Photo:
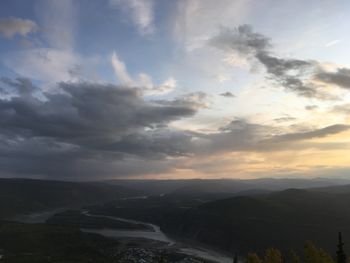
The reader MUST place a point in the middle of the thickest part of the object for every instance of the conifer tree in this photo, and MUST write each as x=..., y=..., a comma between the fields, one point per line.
x=341, y=257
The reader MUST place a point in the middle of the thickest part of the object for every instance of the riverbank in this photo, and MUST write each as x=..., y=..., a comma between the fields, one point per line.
x=152, y=241
x=158, y=235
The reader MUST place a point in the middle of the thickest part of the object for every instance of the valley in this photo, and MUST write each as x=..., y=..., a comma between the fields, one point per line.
x=209, y=226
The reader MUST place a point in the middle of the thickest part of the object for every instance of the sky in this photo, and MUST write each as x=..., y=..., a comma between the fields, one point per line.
x=170, y=89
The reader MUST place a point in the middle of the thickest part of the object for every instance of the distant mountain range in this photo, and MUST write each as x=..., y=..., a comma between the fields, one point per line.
x=156, y=187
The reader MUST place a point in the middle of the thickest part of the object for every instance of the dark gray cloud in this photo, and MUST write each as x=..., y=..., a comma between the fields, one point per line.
x=193, y=100
x=279, y=66
x=242, y=40
x=228, y=94
x=154, y=144
x=340, y=78
x=86, y=123
x=317, y=133
x=22, y=86
x=238, y=135
x=293, y=74
x=289, y=73
x=39, y=157
x=243, y=136
x=85, y=111
x=311, y=107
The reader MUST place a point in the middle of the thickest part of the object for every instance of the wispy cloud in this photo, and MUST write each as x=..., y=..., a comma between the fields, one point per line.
x=43, y=64
x=193, y=21
x=140, y=11
x=12, y=26
x=144, y=80
x=332, y=43
x=317, y=133
x=58, y=22
x=120, y=70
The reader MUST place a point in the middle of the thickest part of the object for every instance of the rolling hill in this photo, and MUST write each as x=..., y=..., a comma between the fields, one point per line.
x=18, y=196
x=283, y=219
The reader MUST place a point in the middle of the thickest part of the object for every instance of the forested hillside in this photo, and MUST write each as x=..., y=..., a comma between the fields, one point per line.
x=23, y=195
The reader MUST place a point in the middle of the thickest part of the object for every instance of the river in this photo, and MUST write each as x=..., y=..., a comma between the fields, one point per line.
x=156, y=234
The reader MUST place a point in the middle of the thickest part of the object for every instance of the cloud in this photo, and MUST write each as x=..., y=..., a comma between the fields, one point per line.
x=91, y=129
x=22, y=86
x=193, y=19
x=51, y=58
x=332, y=43
x=227, y=94
x=44, y=64
x=285, y=118
x=342, y=108
x=58, y=22
x=238, y=135
x=167, y=86
x=140, y=11
x=311, y=107
x=144, y=80
x=294, y=75
x=242, y=40
x=12, y=26
x=242, y=136
x=318, y=133
x=289, y=73
x=84, y=111
x=120, y=70
x=84, y=123
x=341, y=77
x=161, y=142
x=196, y=100
x=44, y=158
